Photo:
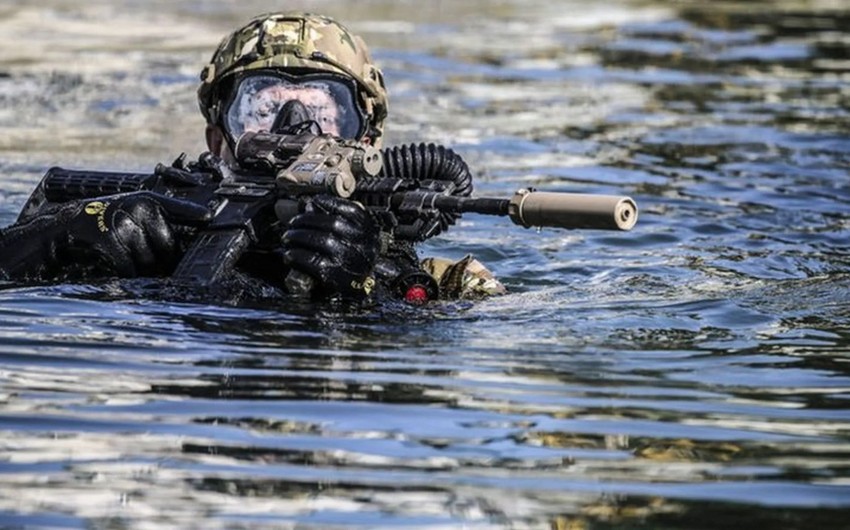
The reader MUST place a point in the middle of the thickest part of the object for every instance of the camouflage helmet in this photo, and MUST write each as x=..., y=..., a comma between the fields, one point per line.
x=302, y=42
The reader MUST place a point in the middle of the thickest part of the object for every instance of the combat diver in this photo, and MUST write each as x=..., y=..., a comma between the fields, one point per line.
x=273, y=59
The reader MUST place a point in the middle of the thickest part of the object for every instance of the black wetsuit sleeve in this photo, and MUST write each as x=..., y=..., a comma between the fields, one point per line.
x=29, y=249
x=127, y=235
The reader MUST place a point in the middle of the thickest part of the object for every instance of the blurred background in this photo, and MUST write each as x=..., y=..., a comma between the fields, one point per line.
x=692, y=373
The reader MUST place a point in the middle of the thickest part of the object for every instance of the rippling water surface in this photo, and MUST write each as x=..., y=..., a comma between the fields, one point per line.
x=692, y=373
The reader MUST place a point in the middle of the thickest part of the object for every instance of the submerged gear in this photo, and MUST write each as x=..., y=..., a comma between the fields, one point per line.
x=398, y=269
x=127, y=235
x=294, y=43
x=466, y=278
x=336, y=242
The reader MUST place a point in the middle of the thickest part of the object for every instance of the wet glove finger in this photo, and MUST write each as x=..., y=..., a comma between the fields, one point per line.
x=337, y=207
x=351, y=251
x=182, y=211
x=138, y=234
x=318, y=266
x=331, y=276
x=335, y=227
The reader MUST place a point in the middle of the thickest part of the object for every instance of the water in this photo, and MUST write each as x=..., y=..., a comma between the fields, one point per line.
x=692, y=373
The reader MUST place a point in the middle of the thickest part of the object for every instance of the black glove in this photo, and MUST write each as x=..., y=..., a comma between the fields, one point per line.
x=122, y=235
x=336, y=242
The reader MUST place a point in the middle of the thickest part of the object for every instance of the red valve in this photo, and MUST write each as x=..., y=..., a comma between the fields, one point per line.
x=416, y=294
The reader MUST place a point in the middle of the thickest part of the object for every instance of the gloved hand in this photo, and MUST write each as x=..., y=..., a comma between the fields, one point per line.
x=336, y=242
x=127, y=235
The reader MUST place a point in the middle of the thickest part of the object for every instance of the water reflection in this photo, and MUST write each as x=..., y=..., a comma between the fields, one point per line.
x=687, y=375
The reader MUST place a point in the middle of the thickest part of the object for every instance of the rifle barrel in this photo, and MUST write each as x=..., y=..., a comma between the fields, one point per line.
x=482, y=205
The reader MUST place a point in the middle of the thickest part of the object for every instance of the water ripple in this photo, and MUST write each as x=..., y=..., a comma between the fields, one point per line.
x=689, y=374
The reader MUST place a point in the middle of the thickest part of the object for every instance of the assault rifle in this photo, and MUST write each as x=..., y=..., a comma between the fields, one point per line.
x=278, y=171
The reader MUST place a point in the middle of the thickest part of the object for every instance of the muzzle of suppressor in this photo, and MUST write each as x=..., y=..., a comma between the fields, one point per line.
x=572, y=210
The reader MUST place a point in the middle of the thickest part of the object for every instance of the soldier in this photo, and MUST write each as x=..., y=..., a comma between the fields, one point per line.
x=271, y=60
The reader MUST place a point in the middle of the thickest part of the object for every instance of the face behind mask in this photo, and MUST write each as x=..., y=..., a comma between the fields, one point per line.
x=329, y=100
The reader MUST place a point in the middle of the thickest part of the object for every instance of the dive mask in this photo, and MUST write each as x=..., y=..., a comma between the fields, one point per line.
x=329, y=100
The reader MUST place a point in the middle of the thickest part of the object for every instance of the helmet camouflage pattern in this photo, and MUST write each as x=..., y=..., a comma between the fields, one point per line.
x=295, y=41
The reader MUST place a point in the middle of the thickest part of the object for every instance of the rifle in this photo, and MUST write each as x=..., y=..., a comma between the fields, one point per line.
x=253, y=204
